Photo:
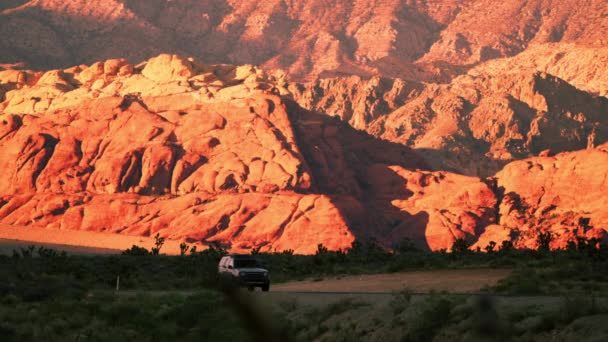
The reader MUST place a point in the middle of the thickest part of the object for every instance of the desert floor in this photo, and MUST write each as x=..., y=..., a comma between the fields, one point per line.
x=75, y=241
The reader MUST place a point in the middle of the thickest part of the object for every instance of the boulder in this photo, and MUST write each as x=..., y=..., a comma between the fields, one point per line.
x=166, y=68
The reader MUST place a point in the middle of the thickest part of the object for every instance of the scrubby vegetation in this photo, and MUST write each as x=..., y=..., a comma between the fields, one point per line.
x=108, y=317
x=73, y=297
x=582, y=268
x=446, y=317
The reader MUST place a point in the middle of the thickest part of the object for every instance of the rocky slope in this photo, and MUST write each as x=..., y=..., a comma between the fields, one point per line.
x=431, y=99
x=195, y=152
x=192, y=162
x=214, y=154
x=460, y=81
x=475, y=124
x=564, y=195
x=409, y=39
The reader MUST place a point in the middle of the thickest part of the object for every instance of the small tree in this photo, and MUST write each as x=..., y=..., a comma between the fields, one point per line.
x=356, y=249
x=215, y=251
x=544, y=241
x=506, y=246
x=322, y=255
x=460, y=246
x=183, y=249
x=571, y=246
x=590, y=247
x=158, y=244
x=490, y=247
x=375, y=251
x=321, y=250
x=407, y=246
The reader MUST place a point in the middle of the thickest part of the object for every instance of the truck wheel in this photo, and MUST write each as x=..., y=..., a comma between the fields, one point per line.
x=266, y=287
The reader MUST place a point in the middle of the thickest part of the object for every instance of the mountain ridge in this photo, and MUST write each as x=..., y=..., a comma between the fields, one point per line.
x=430, y=40
x=215, y=154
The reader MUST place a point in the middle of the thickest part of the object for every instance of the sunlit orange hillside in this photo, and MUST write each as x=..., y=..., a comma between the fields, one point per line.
x=287, y=124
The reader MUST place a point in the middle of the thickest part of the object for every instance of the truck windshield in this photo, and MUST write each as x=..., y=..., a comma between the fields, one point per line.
x=245, y=263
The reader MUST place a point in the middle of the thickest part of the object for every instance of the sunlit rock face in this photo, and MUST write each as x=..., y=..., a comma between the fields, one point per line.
x=563, y=194
x=211, y=153
x=301, y=123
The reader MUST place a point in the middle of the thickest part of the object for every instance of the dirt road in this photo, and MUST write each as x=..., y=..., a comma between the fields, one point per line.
x=456, y=281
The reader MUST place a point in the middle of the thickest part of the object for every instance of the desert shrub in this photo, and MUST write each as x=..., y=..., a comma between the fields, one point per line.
x=400, y=301
x=485, y=316
x=573, y=308
x=158, y=244
x=339, y=307
x=50, y=253
x=490, y=247
x=288, y=305
x=460, y=246
x=506, y=247
x=8, y=332
x=407, y=246
x=375, y=251
x=27, y=252
x=543, y=239
x=214, y=252
x=525, y=282
x=136, y=251
x=49, y=287
x=589, y=247
x=434, y=315
x=100, y=318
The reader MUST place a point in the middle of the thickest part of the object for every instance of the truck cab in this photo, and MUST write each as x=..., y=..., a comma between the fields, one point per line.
x=244, y=270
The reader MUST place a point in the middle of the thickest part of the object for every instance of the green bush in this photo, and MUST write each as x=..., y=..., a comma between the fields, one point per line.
x=460, y=246
x=434, y=315
x=136, y=251
x=400, y=301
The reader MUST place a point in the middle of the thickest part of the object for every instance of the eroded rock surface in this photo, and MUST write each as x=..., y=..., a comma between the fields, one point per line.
x=564, y=195
x=208, y=153
x=474, y=125
x=224, y=154
x=422, y=40
x=196, y=153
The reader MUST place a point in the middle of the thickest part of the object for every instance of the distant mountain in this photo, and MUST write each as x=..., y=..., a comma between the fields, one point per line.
x=423, y=40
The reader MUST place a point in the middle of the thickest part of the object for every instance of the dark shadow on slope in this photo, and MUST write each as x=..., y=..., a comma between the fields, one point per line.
x=352, y=168
x=8, y=4
x=464, y=163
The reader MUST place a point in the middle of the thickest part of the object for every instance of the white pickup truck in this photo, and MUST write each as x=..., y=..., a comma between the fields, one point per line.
x=244, y=270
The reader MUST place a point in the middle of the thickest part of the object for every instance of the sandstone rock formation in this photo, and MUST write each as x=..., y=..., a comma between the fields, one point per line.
x=238, y=221
x=96, y=151
x=209, y=153
x=354, y=119
x=475, y=124
x=564, y=195
x=398, y=38
x=353, y=99
x=470, y=76
x=213, y=154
